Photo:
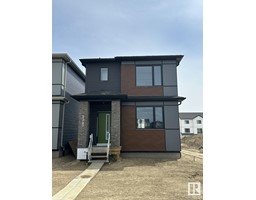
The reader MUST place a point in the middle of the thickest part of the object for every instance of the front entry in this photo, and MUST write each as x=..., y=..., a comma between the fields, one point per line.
x=104, y=119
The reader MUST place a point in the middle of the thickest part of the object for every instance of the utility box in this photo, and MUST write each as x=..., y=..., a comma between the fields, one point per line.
x=82, y=153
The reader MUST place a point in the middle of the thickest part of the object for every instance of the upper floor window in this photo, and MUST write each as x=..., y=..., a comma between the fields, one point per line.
x=150, y=117
x=148, y=75
x=103, y=74
x=186, y=121
x=199, y=122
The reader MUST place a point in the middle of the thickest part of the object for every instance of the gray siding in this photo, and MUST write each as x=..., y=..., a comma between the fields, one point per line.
x=95, y=85
x=71, y=117
x=172, y=139
x=74, y=83
x=170, y=79
x=172, y=130
x=171, y=91
x=58, y=78
x=57, y=116
x=171, y=114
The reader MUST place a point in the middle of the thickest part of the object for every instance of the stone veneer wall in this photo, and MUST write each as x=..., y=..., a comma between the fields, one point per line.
x=115, y=124
x=83, y=127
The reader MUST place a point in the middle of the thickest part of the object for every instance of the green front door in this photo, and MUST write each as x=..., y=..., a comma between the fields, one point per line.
x=103, y=126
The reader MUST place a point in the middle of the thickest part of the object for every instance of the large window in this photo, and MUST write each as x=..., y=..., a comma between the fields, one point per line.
x=104, y=74
x=148, y=75
x=150, y=118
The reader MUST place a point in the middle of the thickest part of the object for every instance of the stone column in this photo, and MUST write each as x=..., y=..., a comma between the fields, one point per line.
x=83, y=127
x=115, y=124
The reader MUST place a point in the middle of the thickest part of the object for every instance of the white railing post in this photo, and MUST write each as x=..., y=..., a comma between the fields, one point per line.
x=108, y=145
x=90, y=148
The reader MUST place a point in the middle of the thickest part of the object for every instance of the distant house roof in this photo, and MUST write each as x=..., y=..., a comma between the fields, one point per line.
x=190, y=115
x=177, y=58
x=71, y=63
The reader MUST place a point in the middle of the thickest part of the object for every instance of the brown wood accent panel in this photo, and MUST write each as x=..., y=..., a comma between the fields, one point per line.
x=133, y=139
x=128, y=83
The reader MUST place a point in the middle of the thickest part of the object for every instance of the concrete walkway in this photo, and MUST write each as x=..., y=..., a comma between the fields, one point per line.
x=71, y=191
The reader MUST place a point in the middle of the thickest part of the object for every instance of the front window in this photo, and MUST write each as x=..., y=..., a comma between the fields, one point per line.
x=148, y=75
x=150, y=118
x=186, y=121
x=104, y=74
x=199, y=122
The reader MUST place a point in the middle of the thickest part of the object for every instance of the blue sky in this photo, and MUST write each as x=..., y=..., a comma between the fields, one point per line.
x=101, y=28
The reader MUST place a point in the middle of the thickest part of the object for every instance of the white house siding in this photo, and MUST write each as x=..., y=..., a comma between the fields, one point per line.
x=193, y=126
x=196, y=126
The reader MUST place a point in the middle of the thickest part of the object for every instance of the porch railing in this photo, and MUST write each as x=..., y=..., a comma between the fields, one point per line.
x=90, y=148
x=108, y=146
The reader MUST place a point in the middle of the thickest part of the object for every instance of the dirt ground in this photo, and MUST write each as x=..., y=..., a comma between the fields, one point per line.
x=132, y=178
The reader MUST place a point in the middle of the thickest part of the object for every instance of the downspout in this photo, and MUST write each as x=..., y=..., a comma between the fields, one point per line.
x=65, y=102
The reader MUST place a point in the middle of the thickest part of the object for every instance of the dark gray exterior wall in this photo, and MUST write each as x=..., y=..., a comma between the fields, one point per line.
x=170, y=79
x=95, y=85
x=57, y=116
x=172, y=128
x=74, y=83
x=71, y=118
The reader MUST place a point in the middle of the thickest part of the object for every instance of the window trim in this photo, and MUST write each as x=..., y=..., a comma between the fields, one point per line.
x=154, y=116
x=101, y=73
x=153, y=75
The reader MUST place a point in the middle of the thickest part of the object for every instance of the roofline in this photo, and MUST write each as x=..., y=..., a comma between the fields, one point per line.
x=99, y=96
x=126, y=98
x=69, y=61
x=177, y=58
x=200, y=114
x=155, y=98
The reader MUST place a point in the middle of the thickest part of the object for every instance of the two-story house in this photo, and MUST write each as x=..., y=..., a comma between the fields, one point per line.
x=135, y=99
x=191, y=123
x=67, y=80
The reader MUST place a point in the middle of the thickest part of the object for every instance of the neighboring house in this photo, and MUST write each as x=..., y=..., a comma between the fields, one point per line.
x=135, y=98
x=191, y=123
x=67, y=80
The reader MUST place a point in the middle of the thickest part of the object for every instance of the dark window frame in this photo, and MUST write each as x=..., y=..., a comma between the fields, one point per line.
x=186, y=130
x=153, y=75
x=107, y=73
x=154, y=117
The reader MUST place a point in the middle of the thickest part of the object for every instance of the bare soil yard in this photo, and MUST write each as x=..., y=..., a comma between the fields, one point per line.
x=132, y=178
